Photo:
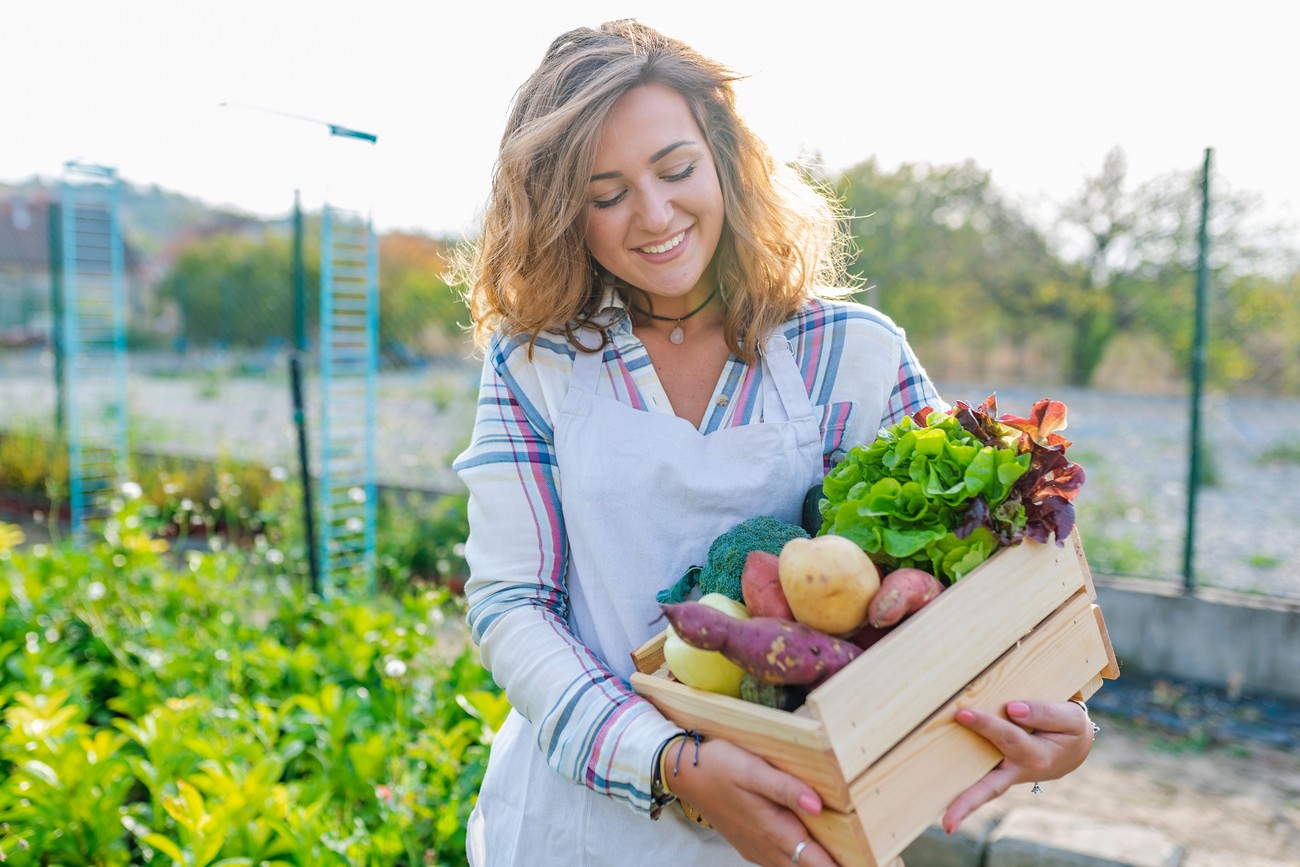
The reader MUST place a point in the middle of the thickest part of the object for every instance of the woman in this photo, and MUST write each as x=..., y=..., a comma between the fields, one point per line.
x=662, y=362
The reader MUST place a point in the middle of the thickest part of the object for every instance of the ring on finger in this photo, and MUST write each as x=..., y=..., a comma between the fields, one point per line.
x=798, y=850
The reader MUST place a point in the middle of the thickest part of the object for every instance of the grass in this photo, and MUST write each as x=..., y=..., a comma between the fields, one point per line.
x=1281, y=453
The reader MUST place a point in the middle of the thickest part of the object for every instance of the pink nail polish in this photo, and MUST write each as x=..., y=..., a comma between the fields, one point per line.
x=809, y=804
x=1018, y=708
x=965, y=716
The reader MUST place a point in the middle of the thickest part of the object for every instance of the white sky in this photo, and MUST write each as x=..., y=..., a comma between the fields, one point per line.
x=1036, y=92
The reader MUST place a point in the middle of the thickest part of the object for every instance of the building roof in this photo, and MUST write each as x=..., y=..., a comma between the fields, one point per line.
x=25, y=235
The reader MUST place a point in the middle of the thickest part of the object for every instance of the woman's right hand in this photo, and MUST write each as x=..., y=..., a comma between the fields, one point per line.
x=755, y=806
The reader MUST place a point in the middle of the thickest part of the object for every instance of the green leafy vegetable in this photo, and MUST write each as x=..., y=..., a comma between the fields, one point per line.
x=942, y=491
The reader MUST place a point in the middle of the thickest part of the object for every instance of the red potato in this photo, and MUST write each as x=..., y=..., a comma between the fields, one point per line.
x=760, y=585
x=772, y=649
x=902, y=592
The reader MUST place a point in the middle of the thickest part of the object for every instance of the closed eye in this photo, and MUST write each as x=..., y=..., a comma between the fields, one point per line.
x=683, y=174
x=609, y=203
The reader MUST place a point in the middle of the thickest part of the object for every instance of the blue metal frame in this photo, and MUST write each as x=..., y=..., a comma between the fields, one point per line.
x=349, y=364
x=94, y=340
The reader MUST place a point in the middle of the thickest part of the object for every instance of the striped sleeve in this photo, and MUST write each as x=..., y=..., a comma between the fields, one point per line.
x=913, y=389
x=589, y=724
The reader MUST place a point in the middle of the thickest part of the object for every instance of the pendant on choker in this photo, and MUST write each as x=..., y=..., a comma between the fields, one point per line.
x=678, y=335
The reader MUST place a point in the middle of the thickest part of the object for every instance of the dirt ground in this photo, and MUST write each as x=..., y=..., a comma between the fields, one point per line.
x=1226, y=803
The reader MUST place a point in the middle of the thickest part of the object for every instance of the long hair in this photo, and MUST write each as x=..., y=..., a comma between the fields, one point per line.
x=530, y=270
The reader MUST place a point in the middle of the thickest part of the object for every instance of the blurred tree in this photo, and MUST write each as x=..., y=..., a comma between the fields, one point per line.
x=948, y=256
x=238, y=289
x=420, y=315
x=1134, y=252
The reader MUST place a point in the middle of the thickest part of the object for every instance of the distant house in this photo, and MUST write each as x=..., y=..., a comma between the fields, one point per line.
x=25, y=275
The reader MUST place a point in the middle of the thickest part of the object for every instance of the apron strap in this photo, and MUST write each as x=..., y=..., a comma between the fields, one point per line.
x=587, y=365
x=787, y=384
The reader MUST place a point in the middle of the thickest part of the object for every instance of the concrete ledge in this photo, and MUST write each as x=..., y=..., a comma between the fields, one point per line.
x=1035, y=837
x=964, y=848
x=1239, y=642
x=1219, y=858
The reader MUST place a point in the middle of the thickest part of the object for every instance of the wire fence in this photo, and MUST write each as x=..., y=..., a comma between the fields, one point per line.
x=208, y=377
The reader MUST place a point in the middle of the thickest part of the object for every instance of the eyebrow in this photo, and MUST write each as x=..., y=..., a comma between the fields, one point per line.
x=654, y=158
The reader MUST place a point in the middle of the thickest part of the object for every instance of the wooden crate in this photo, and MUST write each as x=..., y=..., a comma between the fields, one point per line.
x=878, y=741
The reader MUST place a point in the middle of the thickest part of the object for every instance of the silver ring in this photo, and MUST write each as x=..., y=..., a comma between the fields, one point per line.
x=798, y=850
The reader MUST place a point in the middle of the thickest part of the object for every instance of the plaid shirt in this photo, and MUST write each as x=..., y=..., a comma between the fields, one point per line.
x=860, y=374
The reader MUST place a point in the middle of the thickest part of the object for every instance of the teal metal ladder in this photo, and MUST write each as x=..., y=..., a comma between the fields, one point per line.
x=349, y=359
x=93, y=330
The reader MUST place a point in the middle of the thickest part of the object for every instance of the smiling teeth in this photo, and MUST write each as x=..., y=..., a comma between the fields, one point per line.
x=665, y=246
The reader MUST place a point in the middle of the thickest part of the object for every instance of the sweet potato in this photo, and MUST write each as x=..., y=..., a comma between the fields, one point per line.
x=770, y=648
x=902, y=592
x=760, y=584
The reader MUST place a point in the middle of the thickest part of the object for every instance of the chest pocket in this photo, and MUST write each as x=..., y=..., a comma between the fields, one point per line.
x=835, y=419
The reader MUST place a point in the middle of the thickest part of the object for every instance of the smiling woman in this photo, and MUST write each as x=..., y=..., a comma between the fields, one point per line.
x=665, y=357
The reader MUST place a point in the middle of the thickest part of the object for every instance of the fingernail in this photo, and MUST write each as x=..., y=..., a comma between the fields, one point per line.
x=1018, y=708
x=965, y=715
x=809, y=804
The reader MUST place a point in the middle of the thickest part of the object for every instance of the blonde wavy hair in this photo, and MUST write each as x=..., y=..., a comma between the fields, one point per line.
x=529, y=271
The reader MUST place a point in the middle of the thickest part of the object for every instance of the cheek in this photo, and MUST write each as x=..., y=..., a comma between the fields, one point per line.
x=601, y=235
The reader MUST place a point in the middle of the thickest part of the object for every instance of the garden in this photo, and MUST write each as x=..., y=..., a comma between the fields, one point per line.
x=173, y=694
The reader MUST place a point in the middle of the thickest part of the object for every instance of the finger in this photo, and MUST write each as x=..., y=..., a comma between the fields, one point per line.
x=1010, y=738
x=1049, y=716
x=992, y=785
x=812, y=855
x=787, y=790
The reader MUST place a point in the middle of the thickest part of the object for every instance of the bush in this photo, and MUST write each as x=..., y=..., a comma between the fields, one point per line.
x=199, y=708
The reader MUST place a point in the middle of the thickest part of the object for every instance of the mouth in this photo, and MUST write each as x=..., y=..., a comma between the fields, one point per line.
x=664, y=246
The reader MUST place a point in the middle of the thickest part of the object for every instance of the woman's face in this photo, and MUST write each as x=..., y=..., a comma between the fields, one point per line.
x=654, y=207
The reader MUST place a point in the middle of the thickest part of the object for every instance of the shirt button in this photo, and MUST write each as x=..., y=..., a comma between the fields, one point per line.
x=723, y=400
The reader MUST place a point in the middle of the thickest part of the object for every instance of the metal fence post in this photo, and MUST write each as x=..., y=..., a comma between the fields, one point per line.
x=1198, y=379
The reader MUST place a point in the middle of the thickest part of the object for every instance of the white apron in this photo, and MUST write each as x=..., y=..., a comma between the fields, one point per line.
x=644, y=494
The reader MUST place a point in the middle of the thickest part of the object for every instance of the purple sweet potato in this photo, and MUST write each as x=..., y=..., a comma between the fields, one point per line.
x=772, y=649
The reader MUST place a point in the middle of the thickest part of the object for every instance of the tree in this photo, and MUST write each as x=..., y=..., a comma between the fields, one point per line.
x=419, y=312
x=1133, y=255
x=238, y=289
x=949, y=256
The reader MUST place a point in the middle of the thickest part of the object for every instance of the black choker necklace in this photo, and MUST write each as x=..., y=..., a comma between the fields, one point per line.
x=677, y=335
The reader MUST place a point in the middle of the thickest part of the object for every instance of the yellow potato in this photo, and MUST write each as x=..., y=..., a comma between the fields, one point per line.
x=828, y=581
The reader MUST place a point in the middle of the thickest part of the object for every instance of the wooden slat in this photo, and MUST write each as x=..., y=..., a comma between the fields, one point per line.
x=890, y=689
x=910, y=787
x=793, y=742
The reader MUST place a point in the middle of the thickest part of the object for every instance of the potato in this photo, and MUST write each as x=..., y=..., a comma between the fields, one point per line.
x=706, y=669
x=828, y=582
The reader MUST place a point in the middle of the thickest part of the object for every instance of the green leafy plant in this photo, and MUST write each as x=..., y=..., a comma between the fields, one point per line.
x=941, y=491
x=198, y=707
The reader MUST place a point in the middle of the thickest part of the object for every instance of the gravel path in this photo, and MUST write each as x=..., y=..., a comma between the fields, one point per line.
x=1132, y=510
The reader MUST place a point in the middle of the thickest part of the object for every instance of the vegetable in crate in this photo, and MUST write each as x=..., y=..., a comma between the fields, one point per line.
x=706, y=669
x=828, y=582
x=726, y=560
x=941, y=491
x=771, y=649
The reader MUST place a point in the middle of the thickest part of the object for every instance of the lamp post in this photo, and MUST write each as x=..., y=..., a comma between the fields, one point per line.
x=300, y=340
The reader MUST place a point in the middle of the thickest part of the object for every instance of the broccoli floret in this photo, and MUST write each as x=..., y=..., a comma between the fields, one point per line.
x=727, y=553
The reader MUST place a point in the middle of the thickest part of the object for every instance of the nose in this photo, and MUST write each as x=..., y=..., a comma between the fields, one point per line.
x=656, y=211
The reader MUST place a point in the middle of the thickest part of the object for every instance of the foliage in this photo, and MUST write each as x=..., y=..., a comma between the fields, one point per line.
x=420, y=313
x=201, y=710
x=235, y=289
x=936, y=242
x=941, y=491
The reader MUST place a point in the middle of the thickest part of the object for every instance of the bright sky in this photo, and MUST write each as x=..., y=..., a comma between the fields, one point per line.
x=1035, y=91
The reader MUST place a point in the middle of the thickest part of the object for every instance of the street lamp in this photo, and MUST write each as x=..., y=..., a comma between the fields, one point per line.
x=300, y=336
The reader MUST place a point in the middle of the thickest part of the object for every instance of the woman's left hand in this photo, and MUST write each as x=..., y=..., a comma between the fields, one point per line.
x=1041, y=741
